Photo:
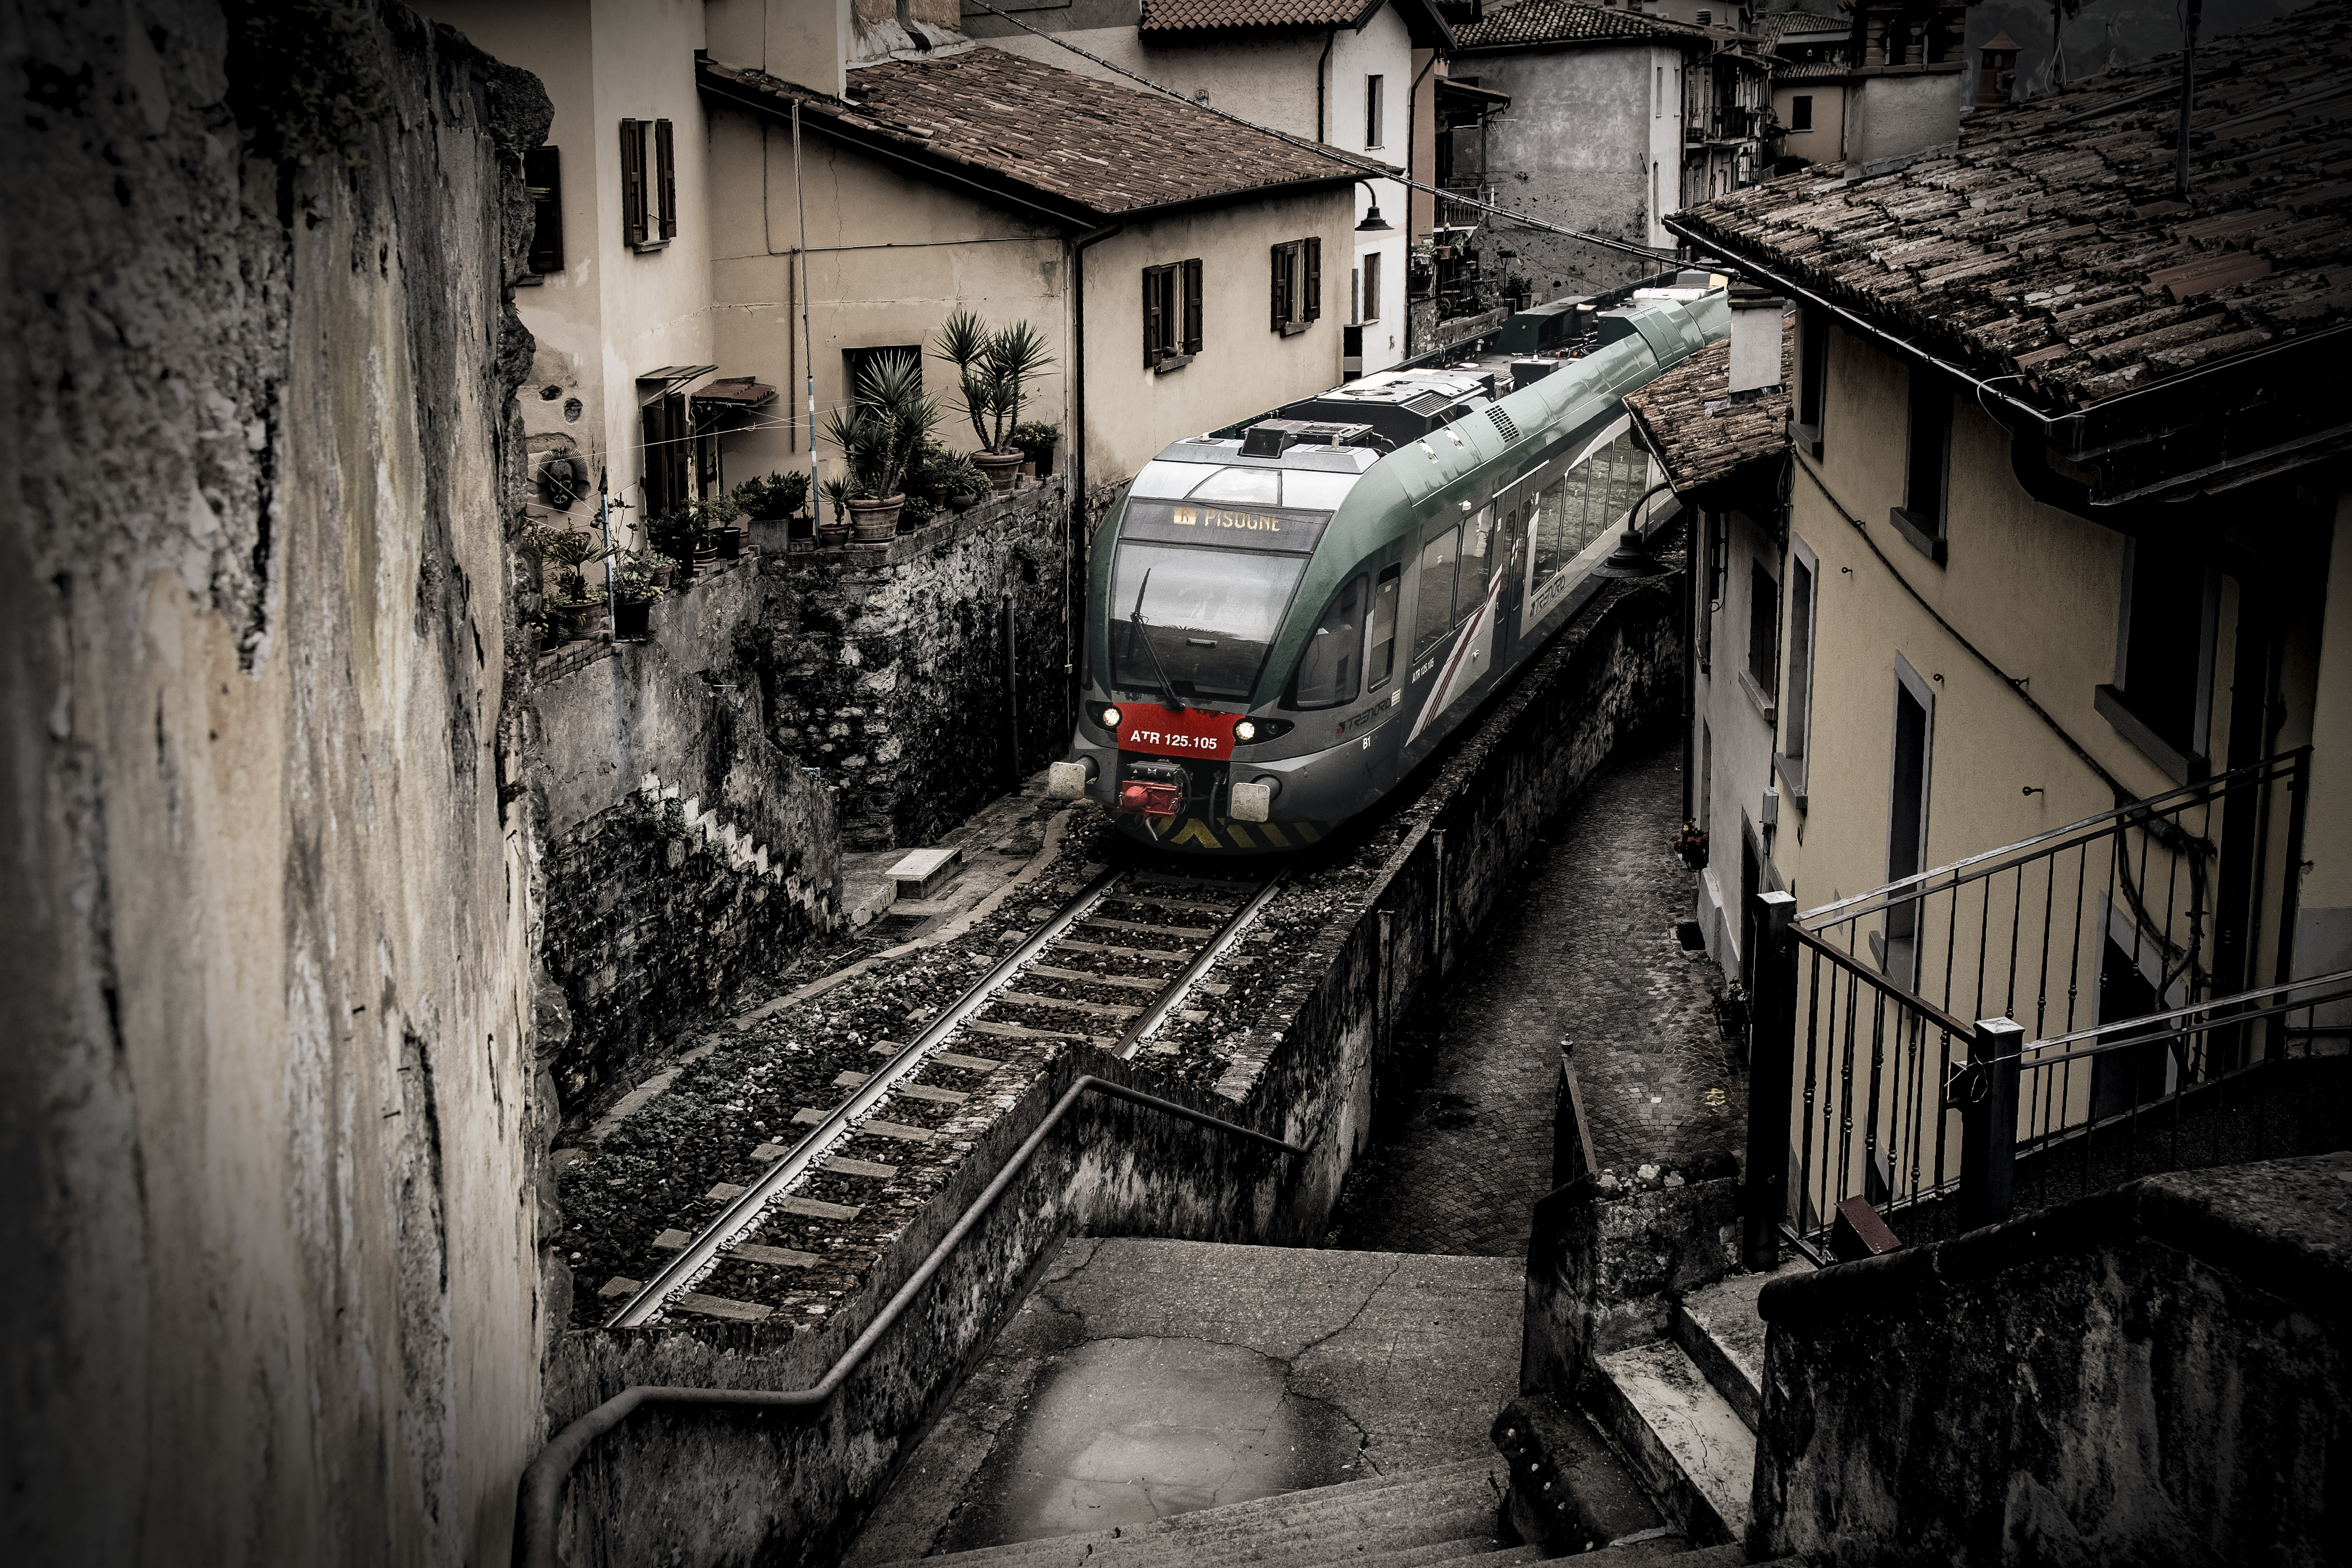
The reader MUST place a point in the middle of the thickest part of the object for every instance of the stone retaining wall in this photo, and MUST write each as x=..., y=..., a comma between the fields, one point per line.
x=887, y=666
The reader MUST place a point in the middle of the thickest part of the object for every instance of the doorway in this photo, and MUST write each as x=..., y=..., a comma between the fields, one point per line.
x=1907, y=823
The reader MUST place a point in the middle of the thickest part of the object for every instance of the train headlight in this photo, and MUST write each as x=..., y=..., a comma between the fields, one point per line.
x=1108, y=718
x=1244, y=731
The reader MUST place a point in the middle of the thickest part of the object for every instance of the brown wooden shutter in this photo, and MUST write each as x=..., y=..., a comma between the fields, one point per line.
x=633, y=181
x=1192, y=305
x=653, y=416
x=542, y=171
x=1281, y=286
x=679, y=453
x=666, y=164
x=1150, y=317
x=1314, y=281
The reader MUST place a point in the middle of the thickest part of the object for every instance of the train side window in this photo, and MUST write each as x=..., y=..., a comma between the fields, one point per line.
x=1380, y=659
x=1471, y=592
x=1331, y=668
x=1433, y=606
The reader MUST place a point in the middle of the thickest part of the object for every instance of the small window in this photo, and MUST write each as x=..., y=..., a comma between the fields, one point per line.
x=1813, y=373
x=1658, y=104
x=2163, y=695
x=1796, y=707
x=1373, y=118
x=1927, y=460
x=670, y=465
x=1171, y=314
x=1379, y=661
x=1801, y=112
x=1371, y=286
x=648, y=183
x=1331, y=668
x=1433, y=610
x=855, y=361
x=542, y=177
x=1763, y=629
x=1298, y=291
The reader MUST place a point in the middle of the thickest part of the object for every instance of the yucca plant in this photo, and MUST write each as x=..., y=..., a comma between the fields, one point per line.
x=993, y=372
x=881, y=432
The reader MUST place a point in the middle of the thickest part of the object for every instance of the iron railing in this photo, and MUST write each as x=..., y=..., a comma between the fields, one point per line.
x=1869, y=1063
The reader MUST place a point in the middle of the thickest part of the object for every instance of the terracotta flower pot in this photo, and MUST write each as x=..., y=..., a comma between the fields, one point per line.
x=875, y=522
x=834, y=530
x=1002, y=468
x=662, y=574
x=730, y=541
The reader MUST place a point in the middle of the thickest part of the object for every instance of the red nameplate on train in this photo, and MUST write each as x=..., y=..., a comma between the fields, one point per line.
x=1194, y=732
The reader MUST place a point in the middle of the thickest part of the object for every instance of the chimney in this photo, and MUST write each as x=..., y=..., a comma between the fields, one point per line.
x=1912, y=106
x=807, y=42
x=1997, y=78
x=1755, y=339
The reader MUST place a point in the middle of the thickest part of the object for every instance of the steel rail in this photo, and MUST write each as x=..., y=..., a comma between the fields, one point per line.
x=1944, y=1022
x=703, y=1252
x=1150, y=1020
x=539, y=1502
x=2214, y=1016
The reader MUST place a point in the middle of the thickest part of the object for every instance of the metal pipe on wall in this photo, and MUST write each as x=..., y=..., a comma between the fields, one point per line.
x=1075, y=542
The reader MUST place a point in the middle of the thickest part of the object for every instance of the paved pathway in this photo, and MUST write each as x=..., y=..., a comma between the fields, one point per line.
x=1582, y=956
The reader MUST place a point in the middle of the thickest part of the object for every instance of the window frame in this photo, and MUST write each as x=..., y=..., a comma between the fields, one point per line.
x=1799, y=653
x=1812, y=377
x=1297, y=296
x=2114, y=703
x=1924, y=519
x=648, y=184
x=1371, y=288
x=1763, y=685
x=1172, y=333
x=1801, y=112
x=1375, y=112
x=1361, y=581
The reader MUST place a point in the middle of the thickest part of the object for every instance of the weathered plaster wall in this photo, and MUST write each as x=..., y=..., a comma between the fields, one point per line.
x=1575, y=149
x=885, y=666
x=268, y=1102
x=2155, y=1374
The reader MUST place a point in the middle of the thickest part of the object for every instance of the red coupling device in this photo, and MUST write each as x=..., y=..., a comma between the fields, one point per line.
x=1139, y=799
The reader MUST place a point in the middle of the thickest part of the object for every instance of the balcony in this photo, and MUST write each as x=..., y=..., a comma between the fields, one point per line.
x=1465, y=206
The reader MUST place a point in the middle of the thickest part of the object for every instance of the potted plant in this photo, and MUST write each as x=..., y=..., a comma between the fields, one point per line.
x=939, y=479
x=1691, y=845
x=722, y=524
x=836, y=531
x=772, y=509
x=993, y=370
x=573, y=603
x=1038, y=439
x=660, y=567
x=880, y=436
x=633, y=591
x=678, y=536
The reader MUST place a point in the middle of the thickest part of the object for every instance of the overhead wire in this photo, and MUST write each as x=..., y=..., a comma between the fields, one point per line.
x=1368, y=168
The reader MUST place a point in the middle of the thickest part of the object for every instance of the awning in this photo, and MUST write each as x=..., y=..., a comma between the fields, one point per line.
x=732, y=398
x=669, y=379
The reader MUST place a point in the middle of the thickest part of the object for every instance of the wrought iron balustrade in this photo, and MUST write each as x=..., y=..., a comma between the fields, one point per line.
x=2129, y=948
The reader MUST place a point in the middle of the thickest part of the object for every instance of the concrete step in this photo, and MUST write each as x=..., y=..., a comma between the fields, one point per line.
x=1720, y=1330
x=1378, y=1514
x=1684, y=1441
x=1471, y=1550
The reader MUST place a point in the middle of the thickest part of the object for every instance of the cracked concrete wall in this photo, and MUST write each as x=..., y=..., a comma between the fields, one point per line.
x=268, y=1100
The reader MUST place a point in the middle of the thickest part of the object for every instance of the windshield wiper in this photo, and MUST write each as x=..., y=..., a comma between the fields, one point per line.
x=1135, y=621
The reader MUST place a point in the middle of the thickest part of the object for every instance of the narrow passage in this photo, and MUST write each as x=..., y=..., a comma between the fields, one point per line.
x=1581, y=956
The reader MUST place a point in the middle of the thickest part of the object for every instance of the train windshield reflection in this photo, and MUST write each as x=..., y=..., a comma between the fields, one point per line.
x=1209, y=617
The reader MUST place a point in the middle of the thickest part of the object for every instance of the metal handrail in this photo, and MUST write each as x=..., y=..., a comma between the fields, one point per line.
x=1907, y=889
x=2341, y=978
x=1944, y=1021
x=538, y=1501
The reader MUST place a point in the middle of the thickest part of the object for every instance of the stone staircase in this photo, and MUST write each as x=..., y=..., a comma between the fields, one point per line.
x=1683, y=1410
x=1443, y=1513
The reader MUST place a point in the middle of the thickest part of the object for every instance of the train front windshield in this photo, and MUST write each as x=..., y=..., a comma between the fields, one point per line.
x=1208, y=617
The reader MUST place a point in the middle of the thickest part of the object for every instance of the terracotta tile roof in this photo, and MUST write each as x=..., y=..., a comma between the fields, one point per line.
x=1812, y=70
x=2049, y=247
x=1089, y=145
x=1702, y=437
x=1567, y=22
x=1200, y=15
x=1778, y=23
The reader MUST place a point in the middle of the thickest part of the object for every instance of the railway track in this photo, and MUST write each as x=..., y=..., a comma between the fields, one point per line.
x=1145, y=938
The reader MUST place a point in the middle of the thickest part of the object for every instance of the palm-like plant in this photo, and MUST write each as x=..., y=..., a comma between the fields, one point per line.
x=880, y=433
x=993, y=370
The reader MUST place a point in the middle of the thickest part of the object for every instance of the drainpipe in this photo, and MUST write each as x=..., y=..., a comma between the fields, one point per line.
x=1320, y=65
x=1412, y=141
x=1077, y=248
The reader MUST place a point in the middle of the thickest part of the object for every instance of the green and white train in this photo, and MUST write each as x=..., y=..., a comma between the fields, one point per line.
x=1281, y=626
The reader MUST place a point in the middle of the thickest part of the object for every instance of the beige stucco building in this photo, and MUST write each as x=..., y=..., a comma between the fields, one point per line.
x=2066, y=538
x=720, y=267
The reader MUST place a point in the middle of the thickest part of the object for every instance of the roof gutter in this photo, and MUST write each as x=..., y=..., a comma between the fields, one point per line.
x=2084, y=435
